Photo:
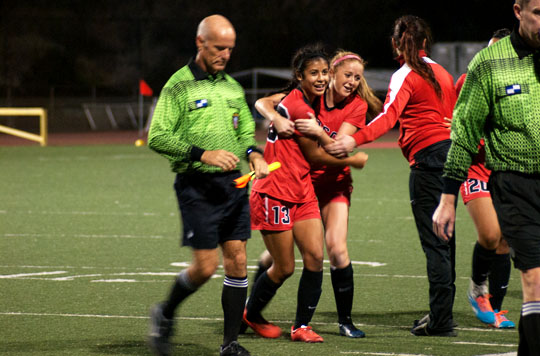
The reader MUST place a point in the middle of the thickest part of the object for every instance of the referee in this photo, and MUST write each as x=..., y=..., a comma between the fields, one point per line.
x=500, y=102
x=202, y=125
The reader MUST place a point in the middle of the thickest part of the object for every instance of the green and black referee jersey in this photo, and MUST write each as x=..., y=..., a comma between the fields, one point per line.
x=198, y=112
x=500, y=102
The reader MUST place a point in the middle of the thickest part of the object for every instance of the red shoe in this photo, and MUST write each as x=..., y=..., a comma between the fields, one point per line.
x=263, y=328
x=305, y=334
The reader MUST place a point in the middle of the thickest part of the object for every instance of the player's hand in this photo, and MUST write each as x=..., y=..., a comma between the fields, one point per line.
x=448, y=122
x=341, y=147
x=220, y=158
x=259, y=165
x=283, y=126
x=358, y=160
x=309, y=127
x=444, y=217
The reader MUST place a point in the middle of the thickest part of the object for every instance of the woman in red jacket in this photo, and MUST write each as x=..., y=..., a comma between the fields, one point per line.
x=421, y=94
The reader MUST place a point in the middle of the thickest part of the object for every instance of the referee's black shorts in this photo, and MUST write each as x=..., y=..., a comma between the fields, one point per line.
x=212, y=209
x=516, y=197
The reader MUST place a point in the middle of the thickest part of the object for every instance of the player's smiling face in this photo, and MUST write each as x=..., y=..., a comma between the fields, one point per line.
x=346, y=78
x=314, y=78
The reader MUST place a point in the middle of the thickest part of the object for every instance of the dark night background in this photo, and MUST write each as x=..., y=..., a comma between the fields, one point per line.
x=77, y=45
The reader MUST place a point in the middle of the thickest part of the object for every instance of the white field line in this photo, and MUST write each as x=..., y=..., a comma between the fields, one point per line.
x=282, y=322
x=35, y=275
x=484, y=344
x=504, y=354
x=101, y=213
x=377, y=353
x=86, y=236
x=22, y=275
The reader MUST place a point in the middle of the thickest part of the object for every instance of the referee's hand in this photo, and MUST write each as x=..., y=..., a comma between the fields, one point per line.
x=220, y=158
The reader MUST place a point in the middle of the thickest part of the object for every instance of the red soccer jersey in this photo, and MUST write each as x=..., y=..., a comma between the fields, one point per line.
x=477, y=170
x=414, y=102
x=292, y=182
x=351, y=110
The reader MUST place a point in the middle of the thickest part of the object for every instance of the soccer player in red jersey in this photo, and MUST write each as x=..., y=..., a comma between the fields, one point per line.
x=284, y=207
x=421, y=94
x=341, y=111
x=491, y=254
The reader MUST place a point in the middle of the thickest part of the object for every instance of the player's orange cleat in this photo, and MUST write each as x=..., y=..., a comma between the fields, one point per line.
x=263, y=328
x=501, y=322
x=305, y=334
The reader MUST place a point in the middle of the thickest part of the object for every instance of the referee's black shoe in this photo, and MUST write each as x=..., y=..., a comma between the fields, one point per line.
x=423, y=330
x=233, y=349
x=161, y=330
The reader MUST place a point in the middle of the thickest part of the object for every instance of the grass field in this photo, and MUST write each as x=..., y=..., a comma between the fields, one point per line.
x=89, y=240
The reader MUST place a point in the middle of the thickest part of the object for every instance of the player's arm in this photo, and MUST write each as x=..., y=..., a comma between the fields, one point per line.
x=315, y=154
x=266, y=107
x=311, y=127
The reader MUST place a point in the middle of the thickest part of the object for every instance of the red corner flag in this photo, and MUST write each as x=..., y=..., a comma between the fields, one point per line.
x=144, y=89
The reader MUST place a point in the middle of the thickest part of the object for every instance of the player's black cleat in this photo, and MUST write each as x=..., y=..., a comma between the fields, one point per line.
x=351, y=331
x=161, y=329
x=233, y=349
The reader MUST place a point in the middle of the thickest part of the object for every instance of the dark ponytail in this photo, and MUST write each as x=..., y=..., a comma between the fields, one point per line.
x=412, y=34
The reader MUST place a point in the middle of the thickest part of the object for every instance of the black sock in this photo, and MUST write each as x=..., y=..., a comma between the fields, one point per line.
x=262, y=292
x=260, y=270
x=481, y=262
x=529, y=329
x=499, y=276
x=343, y=284
x=233, y=300
x=309, y=292
x=182, y=288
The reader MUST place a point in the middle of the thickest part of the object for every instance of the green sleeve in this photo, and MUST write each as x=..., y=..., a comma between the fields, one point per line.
x=469, y=118
x=165, y=131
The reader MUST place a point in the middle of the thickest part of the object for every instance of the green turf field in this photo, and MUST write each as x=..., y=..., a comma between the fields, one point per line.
x=89, y=240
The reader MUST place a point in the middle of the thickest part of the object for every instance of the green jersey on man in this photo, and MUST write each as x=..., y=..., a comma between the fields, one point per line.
x=199, y=112
x=500, y=102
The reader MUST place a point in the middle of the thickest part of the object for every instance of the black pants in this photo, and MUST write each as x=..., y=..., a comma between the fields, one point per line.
x=425, y=187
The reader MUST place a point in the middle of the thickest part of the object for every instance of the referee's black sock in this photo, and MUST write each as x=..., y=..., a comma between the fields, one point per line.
x=262, y=292
x=343, y=284
x=499, y=276
x=233, y=300
x=529, y=329
x=481, y=262
x=309, y=292
x=182, y=288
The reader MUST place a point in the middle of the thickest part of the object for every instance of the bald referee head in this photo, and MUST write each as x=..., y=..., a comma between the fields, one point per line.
x=215, y=41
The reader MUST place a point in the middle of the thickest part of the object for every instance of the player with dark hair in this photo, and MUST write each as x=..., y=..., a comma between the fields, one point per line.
x=202, y=125
x=284, y=206
x=342, y=111
x=499, y=102
x=421, y=94
x=491, y=254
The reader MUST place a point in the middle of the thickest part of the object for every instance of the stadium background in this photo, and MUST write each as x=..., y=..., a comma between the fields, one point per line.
x=63, y=55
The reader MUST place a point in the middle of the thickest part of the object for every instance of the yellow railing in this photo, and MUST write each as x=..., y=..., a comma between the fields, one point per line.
x=42, y=113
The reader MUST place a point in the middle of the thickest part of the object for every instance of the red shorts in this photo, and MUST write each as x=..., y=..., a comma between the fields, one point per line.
x=268, y=213
x=474, y=188
x=339, y=191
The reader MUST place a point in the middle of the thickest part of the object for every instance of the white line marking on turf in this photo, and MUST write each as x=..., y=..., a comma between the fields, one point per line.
x=484, y=344
x=87, y=236
x=377, y=353
x=286, y=322
x=21, y=275
x=505, y=354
